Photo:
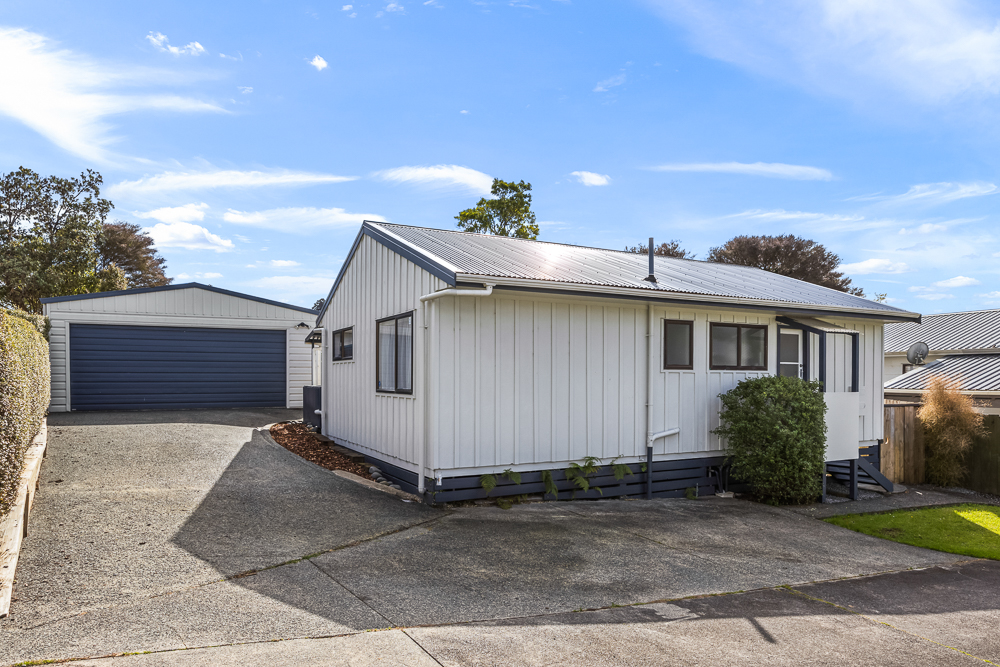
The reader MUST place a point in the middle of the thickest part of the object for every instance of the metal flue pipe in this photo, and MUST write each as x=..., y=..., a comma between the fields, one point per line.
x=652, y=268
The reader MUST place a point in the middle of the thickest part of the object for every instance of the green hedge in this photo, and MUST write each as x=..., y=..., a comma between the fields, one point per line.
x=775, y=431
x=24, y=393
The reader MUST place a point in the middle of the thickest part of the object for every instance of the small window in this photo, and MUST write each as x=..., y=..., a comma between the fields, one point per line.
x=738, y=347
x=342, y=343
x=907, y=368
x=394, y=351
x=678, y=342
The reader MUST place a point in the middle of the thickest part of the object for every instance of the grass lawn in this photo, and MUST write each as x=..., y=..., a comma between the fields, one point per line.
x=970, y=530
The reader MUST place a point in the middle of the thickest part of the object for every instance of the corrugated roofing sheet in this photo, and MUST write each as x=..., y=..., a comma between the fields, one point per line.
x=501, y=257
x=975, y=372
x=973, y=330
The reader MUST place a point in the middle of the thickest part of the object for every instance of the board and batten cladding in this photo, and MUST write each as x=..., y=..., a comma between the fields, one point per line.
x=870, y=370
x=187, y=307
x=525, y=381
x=377, y=283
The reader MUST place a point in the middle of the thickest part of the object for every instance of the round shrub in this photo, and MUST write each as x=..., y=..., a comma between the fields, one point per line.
x=775, y=432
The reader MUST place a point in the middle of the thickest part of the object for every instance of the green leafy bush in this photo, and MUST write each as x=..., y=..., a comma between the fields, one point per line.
x=775, y=430
x=24, y=394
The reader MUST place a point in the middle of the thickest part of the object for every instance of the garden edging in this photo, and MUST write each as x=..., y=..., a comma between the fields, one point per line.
x=14, y=527
x=265, y=432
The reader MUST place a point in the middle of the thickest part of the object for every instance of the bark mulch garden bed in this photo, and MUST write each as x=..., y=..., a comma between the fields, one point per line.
x=297, y=439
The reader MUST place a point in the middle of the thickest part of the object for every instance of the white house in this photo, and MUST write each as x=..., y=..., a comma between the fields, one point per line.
x=178, y=346
x=450, y=355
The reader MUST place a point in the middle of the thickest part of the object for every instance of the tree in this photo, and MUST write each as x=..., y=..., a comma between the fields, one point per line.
x=786, y=255
x=48, y=237
x=672, y=249
x=126, y=246
x=509, y=214
x=319, y=304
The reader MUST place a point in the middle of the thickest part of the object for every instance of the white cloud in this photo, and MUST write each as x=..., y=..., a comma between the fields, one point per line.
x=238, y=57
x=298, y=220
x=246, y=90
x=187, y=235
x=779, y=215
x=160, y=41
x=442, y=175
x=282, y=263
x=293, y=289
x=936, y=193
x=874, y=266
x=589, y=178
x=210, y=275
x=991, y=295
x=170, y=214
x=926, y=228
x=394, y=7
x=603, y=86
x=198, y=276
x=170, y=181
x=464, y=111
x=769, y=169
x=66, y=97
x=858, y=49
x=935, y=296
x=319, y=63
x=957, y=281
x=347, y=8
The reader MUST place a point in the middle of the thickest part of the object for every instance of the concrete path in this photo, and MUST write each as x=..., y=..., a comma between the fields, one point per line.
x=176, y=532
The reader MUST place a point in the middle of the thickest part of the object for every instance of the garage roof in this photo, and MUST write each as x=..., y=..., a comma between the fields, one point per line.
x=167, y=288
x=511, y=263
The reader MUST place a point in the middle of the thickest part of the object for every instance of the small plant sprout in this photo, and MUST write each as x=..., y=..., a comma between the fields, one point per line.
x=550, y=485
x=579, y=473
x=488, y=482
x=620, y=469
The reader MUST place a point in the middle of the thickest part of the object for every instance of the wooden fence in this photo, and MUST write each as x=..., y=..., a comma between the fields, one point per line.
x=902, y=451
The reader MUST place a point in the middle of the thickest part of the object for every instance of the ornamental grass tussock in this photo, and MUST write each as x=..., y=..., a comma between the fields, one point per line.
x=24, y=394
x=951, y=425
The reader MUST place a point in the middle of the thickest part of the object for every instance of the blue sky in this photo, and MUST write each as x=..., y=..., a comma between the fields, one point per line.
x=252, y=138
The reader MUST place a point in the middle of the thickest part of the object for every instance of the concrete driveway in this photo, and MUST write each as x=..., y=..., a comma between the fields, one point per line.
x=186, y=534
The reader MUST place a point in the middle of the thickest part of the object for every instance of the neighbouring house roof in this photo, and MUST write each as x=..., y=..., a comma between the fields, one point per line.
x=462, y=257
x=975, y=373
x=167, y=288
x=971, y=330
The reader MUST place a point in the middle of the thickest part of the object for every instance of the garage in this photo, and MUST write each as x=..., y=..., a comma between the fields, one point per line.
x=176, y=347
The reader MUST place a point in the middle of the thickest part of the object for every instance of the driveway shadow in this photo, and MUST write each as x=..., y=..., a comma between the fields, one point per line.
x=247, y=417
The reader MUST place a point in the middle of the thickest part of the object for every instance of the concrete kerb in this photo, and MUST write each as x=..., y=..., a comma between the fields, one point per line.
x=14, y=527
x=265, y=434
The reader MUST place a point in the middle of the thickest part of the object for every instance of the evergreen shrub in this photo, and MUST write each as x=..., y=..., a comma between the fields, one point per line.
x=775, y=432
x=24, y=394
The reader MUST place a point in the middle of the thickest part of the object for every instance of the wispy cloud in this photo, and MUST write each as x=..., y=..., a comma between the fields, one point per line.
x=874, y=266
x=611, y=82
x=935, y=193
x=187, y=235
x=932, y=51
x=66, y=97
x=769, y=169
x=926, y=228
x=298, y=220
x=804, y=216
x=957, y=281
x=185, y=213
x=319, y=63
x=293, y=289
x=198, y=276
x=440, y=176
x=246, y=90
x=160, y=41
x=275, y=263
x=935, y=296
x=170, y=181
x=589, y=178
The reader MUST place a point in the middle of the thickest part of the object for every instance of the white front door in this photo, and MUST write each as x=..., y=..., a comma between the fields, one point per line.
x=790, y=348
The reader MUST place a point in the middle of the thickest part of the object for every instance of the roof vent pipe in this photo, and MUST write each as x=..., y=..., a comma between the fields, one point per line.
x=652, y=271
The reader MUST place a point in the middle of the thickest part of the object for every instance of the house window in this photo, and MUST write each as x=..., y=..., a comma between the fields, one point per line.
x=738, y=347
x=678, y=344
x=343, y=344
x=394, y=353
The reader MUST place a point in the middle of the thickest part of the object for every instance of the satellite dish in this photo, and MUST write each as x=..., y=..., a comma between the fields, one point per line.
x=917, y=353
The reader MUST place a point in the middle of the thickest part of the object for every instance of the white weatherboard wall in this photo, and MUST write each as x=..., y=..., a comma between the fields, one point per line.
x=189, y=307
x=377, y=283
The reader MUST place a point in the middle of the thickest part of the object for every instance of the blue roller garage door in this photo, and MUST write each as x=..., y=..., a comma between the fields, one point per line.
x=143, y=368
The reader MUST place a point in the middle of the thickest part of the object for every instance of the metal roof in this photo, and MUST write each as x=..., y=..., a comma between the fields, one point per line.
x=975, y=372
x=820, y=325
x=971, y=330
x=168, y=288
x=511, y=263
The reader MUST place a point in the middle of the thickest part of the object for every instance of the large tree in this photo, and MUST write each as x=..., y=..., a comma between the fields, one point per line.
x=508, y=214
x=49, y=229
x=126, y=246
x=786, y=255
x=671, y=249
